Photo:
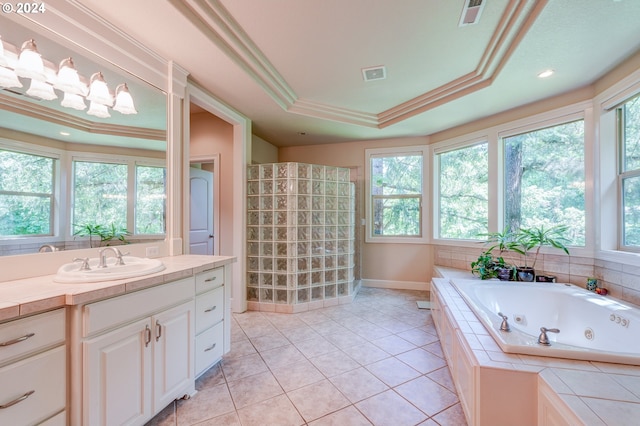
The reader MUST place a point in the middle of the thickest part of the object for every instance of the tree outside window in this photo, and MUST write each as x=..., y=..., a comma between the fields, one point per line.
x=545, y=180
x=464, y=192
x=99, y=194
x=396, y=194
x=629, y=175
x=26, y=194
x=150, y=199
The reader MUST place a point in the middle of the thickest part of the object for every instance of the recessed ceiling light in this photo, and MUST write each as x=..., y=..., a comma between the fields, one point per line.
x=65, y=133
x=546, y=73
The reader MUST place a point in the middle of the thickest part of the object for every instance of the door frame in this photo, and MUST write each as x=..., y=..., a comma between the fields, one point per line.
x=215, y=160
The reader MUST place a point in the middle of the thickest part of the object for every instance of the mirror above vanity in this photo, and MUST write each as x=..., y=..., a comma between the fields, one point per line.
x=69, y=179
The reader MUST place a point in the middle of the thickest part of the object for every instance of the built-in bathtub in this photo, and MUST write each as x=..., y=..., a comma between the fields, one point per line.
x=592, y=327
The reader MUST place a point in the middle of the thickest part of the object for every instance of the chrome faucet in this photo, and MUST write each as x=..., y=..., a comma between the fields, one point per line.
x=43, y=248
x=505, y=325
x=102, y=254
x=543, y=339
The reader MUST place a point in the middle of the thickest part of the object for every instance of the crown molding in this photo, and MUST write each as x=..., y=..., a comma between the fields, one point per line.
x=27, y=108
x=217, y=24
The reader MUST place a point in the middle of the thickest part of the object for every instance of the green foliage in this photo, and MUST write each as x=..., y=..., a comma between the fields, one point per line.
x=464, y=192
x=487, y=266
x=396, y=188
x=26, y=193
x=107, y=234
x=545, y=180
x=528, y=239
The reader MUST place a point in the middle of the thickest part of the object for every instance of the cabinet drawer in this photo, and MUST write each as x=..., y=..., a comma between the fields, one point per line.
x=209, y=347
x=209, y=280
x=45, y=375
x=58, y=420
x=209, y=309
x=27, y=335
x=109, y=313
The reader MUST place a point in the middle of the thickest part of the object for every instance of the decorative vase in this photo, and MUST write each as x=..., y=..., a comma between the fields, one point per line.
x=505, y=274
x=525, y=274
x=592, y=284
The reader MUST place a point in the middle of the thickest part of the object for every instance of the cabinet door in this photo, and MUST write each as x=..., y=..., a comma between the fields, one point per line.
x=173, y=353
x=117, y=377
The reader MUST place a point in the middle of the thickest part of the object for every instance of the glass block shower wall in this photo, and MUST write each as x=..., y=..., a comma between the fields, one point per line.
x=300, y=234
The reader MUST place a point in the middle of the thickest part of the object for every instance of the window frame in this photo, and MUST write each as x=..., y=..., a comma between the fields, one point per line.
x=131, y=163
x=451, y=147
x=423, y=237
x=622, y=174
x=54, y=197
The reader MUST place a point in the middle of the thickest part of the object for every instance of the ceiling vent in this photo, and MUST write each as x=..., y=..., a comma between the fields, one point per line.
x=471, y=12
x=374, y=73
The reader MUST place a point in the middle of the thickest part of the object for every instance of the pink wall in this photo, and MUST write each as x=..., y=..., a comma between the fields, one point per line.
x=211, y=135
x=380, y=261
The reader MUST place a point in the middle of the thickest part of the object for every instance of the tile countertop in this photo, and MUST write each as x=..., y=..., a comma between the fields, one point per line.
x=38, y=294
x=598, y=393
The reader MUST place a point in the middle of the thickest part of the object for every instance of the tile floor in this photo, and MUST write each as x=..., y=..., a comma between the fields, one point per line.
x=375, y=361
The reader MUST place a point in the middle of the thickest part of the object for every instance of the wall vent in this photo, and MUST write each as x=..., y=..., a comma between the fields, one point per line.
x=471, y=12
x=374, y=73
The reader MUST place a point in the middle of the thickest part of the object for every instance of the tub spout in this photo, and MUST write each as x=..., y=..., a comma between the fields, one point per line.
x=543, y=339
x=505, y=324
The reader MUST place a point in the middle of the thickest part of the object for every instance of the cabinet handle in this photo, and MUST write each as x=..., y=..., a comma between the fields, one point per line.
x=158, y=330
x=147, y=336
x=208, y=280
x=210, y=347
x=15, y=401
x=17, y=340
x=213, y=308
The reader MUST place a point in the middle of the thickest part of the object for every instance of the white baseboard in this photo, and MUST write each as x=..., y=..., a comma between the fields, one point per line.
x=397, y=285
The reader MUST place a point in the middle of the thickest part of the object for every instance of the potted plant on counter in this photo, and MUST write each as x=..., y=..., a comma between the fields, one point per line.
x=529, y=241
x=489, y=265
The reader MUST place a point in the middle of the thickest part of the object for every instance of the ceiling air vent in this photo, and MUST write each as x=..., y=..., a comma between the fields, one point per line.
x=471, y=12
x=374, y=73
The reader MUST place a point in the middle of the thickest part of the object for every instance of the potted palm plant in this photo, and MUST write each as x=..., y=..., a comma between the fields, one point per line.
x=529, y=241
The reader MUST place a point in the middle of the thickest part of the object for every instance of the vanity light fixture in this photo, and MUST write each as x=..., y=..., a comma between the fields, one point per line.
x=71, y=100
x=99, y=91
x=41, y=90
x=68, y=79
x=124, y=101
x=98, y=110
x=8, y=77
x=30, y=63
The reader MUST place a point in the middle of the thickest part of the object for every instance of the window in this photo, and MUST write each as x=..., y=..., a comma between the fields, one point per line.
x=124, y=196
x=628, y=115
x=26, y=204
x=463, y=192
x=395, y=192
x=99, y=194
x=545, y=179
x=150, y=199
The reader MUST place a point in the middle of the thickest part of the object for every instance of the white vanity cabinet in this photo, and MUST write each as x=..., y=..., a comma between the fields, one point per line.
x=137, y=352
x=33, y=379
x=210, y=319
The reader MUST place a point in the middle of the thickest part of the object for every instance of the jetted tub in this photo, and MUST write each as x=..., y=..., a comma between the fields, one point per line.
x=592, y=327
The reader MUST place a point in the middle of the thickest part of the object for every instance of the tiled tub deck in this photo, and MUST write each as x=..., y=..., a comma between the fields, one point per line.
x=500, y=388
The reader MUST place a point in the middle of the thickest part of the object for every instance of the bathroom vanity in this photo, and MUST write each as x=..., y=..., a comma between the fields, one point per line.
x=111, y=352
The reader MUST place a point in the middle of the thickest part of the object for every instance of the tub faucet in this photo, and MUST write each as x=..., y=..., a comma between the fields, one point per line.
x=102, y=254
x=43, y=248
x=505, y=325
x=543, y=339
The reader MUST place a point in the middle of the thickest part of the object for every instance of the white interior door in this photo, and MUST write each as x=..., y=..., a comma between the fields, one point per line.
x=201, y=234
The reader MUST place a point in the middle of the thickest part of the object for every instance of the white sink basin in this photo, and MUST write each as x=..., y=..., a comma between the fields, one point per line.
x=133, y=267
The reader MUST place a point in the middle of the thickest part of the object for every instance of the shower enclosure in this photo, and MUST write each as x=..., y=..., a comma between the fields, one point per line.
x=300, y=236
